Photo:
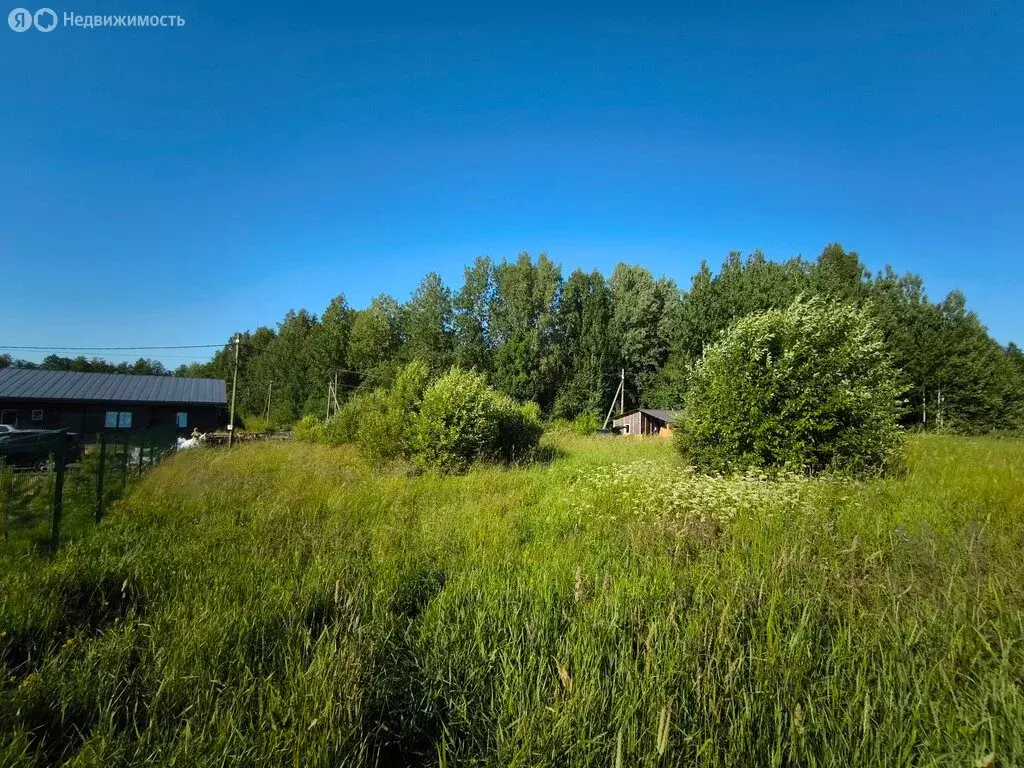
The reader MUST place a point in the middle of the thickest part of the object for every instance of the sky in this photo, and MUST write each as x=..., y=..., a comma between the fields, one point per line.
x=169, y=186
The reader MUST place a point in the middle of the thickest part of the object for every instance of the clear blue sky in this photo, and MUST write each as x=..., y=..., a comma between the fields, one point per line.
x=169, y=186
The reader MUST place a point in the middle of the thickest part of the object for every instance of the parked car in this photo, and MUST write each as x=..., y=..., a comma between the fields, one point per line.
x=32, y=448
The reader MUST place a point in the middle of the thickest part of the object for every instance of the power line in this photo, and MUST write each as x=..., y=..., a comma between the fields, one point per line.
x=130, y=358
x=111, y=349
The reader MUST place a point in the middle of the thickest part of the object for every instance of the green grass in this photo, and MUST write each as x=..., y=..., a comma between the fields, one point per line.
x=285, y=604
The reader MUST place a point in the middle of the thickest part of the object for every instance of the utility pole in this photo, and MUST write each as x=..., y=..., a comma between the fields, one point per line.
x=234, y=388
x=332, y=397
x=618, y=396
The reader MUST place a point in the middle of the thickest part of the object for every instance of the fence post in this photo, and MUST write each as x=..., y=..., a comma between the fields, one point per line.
x=142, y=453
x=124, y=464
x=58, y=496
x=6, y=483
x=100, y=474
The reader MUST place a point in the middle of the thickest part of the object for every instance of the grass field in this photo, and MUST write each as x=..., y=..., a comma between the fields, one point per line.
x=288, y=605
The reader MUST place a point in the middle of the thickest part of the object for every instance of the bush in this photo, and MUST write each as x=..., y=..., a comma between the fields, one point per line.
x=385, y=427
x=309, y=429
x=809, y=386
x=586, y=424
x=558, y=424
x=338, y=430
x=255, y=424
x=454, y=422
x=343, y=427
x=376, y=432
x=461, y=420
x=519, y=428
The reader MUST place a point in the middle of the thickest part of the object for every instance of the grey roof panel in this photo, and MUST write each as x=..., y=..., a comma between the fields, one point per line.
x=663, y=415
x=165, y=390
x=34, y=384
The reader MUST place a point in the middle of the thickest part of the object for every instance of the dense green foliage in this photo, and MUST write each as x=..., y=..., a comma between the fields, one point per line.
x=388, y=418
x=809, y=387
x=343, y=426
x=310, y=429
x=446, y=424
x=462, y=420
x=81, y=363
x=561, y=341
x=289, y=604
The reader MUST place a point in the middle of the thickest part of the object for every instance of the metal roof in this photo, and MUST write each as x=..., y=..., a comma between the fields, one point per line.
x=35, y=384
x=661, y=415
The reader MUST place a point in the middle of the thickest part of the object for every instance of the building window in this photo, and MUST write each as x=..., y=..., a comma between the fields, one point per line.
x=182, y=419
x=37, y=415
x=118, y=420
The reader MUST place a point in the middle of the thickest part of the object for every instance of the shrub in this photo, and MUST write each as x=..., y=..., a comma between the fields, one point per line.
x=385, y=427
x=447, y=426
x=376, y=431
x=586, y=424
x=256, y=424
x=808, y=386
x=558, y=424
x=519, y=428
x=461, y=419
x=309, y=429
x=343, y=427
x=457, y=422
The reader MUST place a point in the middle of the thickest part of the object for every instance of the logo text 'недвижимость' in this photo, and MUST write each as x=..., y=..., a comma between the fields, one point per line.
x=46, y=20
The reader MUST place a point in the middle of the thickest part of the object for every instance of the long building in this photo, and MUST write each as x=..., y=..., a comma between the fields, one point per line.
x=88, y=403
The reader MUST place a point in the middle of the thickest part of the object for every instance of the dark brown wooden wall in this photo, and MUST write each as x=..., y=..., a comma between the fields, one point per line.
x=88, y=418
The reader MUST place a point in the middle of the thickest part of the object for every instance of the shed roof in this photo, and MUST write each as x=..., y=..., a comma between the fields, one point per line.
x=36, y=384
x=666, y=416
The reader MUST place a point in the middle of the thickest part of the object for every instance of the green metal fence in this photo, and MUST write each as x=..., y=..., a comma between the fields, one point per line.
x=52, y=486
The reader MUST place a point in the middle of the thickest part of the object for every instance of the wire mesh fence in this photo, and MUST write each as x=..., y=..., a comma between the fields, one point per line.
x=52, y=486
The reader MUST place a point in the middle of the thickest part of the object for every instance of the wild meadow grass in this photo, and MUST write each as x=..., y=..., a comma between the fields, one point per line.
x=290, y=605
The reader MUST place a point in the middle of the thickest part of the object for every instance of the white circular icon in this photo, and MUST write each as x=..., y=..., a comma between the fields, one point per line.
x=20, y=19
x=45, y=20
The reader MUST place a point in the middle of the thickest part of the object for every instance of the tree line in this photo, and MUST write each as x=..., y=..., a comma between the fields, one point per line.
x=562, y=341
x=143, y=366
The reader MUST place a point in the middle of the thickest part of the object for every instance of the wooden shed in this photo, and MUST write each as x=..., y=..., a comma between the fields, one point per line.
x=646, y=421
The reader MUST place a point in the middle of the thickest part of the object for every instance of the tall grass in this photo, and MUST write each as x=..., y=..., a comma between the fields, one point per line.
x=290, y=605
